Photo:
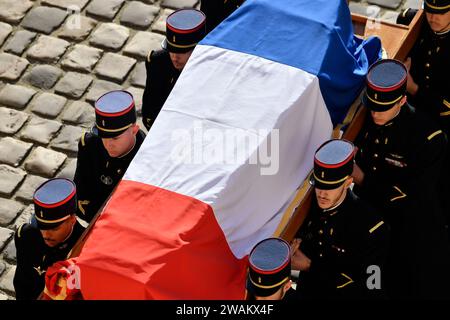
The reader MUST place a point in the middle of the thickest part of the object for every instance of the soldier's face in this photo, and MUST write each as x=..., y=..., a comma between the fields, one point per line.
x=381, y=118
x=329, y=198
x=279, y=294
x=179, y=60
x=57, y=235
x=439, y=22
x=121, y=144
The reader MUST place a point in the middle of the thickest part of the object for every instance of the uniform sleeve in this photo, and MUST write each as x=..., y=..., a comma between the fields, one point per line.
x=437, y=101
x=23, y=277
x=86, y=202
x=153, y=97
x=213, y=13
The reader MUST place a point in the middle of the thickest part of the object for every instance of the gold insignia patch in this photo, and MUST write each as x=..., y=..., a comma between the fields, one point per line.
x=173, y=39
x=103, y=123
x=322, y=174
x=259, y=279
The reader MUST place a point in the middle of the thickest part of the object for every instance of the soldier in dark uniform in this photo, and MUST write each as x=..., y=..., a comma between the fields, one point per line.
x=397, y=166
x=269, y=275
x=105, y=153
x=342, y=238
x=184, y=29
x=218, y=10
x=428, y=84
x=48, y=238
x=406, y=16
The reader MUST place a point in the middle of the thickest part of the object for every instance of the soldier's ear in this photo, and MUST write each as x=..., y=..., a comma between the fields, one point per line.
x=135, y=128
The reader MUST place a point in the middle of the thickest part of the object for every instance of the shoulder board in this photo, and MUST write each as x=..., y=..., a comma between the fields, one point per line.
x=149, y=56
x=375, y=227
x=19, y=231
x=434, y=134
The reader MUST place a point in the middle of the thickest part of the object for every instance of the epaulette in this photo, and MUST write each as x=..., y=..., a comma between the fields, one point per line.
x=375, y=227
x=434, y=134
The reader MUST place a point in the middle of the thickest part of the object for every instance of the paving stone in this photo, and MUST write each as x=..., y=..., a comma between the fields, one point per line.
x=5, y=235
x=80, y=113
x=25, y=217
x=11, y=66
x=10, y=252
x=142, y=43
x=26, y=190
x=10, y=178
x=178, y=4
x=114, y=66
x=43, y=76
x=99, y=88
x=10, y=210
x=14, y=10
x=67, y=4
x=13, y=151
x=104, y=8
x=11, y=120
x=6, y=281
x=40, y=130
x=139, y=76
x=48, y=49
x=69, y=170
x=390, y=16
x=77, y=27
x=137, y=95
x=48, y=105
x=391, y=4
x=5, y=30
x=160, y=24
x=16, y=96
x=67, y=139
x=73, y=84
x=44, y=19
x=138, y=14
x=110, y=36
x=413, y=4
x=45, y=162
x=82, y=58
x=20, y=41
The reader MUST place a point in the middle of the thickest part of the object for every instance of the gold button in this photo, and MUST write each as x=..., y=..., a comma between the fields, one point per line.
x=377, y=141
x=320, y=231
x=375, y=155
x=427, y=77
x=321, y=255
x=343, y=250
x=427, y=65
x=374, y=168
x=429, y=53
x=320, y=243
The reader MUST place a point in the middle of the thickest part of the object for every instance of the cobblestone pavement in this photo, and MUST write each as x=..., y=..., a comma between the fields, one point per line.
x=56, y=58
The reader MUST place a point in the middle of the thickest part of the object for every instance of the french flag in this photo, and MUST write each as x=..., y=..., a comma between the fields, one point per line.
x=227, y=153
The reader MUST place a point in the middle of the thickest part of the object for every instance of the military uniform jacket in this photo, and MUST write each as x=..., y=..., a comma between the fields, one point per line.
x=402, y=161
x=34, y=257
x=218, y=10
x=430, y=69
x=342, y=243
x=97, y=173
x=161, y=78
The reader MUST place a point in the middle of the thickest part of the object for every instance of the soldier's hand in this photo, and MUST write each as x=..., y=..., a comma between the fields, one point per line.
x=295, y=244
x=299, y=261
x=358, y=174
x=411, y=85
